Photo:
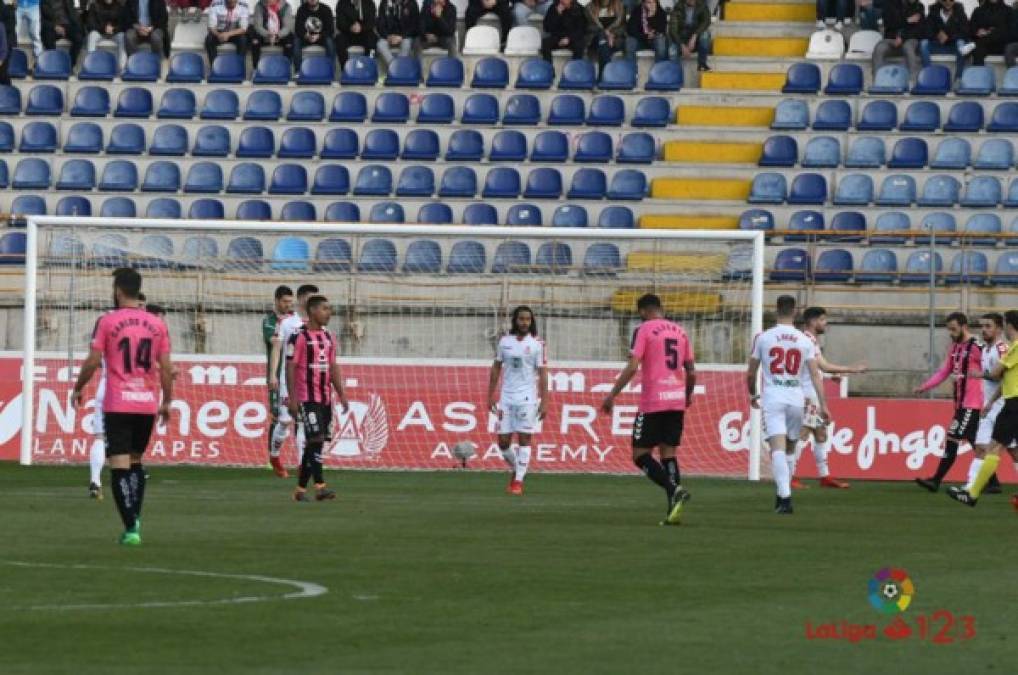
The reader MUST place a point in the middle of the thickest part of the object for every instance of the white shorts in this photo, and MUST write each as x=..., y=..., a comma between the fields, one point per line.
x=984, y=433
x=517, y=418
x=811, y=418
x=782, y=419
x=98, y=422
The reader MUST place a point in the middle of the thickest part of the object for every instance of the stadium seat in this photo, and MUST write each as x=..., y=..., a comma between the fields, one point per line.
x=878, y=115
x=550, y=146
x=845, y=79
x=976, y=81
x=320, y=71
x=169, y=139
x=921, y=116
x=889, y=227
x=917, y=267
x=272, y=69
x=652, y=111
x=377, y=255
x=502, y=183
x=12, y=248
x=567, y=109
x=878, y=266
x=359, y=71
x=10, y=100
x=200, y=249
x=940, y=190
x=995, y=154
x=627, y=184
x=594, y=146
x=808, y=188
x=522, y=109
x=524, y=215
x=833, y=265
x=866, y=152
x=522, y=40
x=862, y=44
x=1009, y=87
x=969, y=267
x=415, y=181
x=254, y=209
x=569, y=215
x=825, y=45
x=602, y=259
x=891, y=79
x=511, y=256
x=126, y=139
x=933, y=80
x=756, y=219
x=802, y=78
x=373, y=179
x=909, y=153
x=480, y=109
x=986, y=224
x=290, y=254
x=380, y=144
x=349, y=106
x=835, y=115
x=204, y=177
x=1006, y=271
x=964, y=116
x=466, y=257
x=165, y=207
x=31, y=173
x=7, y=136
x=340, y=144
x=392, y=108
x=244, y=253
x=109, y=250
x=257, y=142
x=421, y=145
x=803, y=222
x=297, y=143
x=298, y=211
x=664, y=76
x=791, y=114
x=435, y=213
x=465, y=145
x=436, y=108
x=177, y=103
x=850, y=226
x=99, y=65
x=332, y=255
x=206, y=209
x=943, y=226
x=247, y=178
x=953, y=153
x=606, y=111
x=446, y=71
x=555, y=257
x=1004, y=118
x=90, y=101
x=404, y=71
x=38, y=137
x=52, y=64
x=331, y=179
x=17, y=67
x=618, y=74
x=343, y=212
x=822, y=152
x=142, y=67
x=134, y=102
x=480, y=214
x=779, y=151
x=220, y=104
x=263, y=104
x=211, y=140
x=75, y=205
x=982, y=192
x=577, y=74
x=229, y=69
x=423, y=256
x=185, y=67
x=535, y=73
x=637, y=148
x=590, y=183
x=76, y=174
x=28, y=205
x=481, y=40
x=118, y=207
x=854, y=189
x=768, y=188
x=508, y=145
x=543, y=183
x=791, y=264
x=288, y=179
x=489, y=72
x=306, y=106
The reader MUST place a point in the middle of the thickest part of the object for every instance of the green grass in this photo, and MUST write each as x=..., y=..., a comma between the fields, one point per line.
x=443, y=572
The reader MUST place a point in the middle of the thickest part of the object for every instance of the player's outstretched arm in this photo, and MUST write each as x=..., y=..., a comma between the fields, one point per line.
x=751, y=375
x=337, y=383
x=496, y=370
x=814, y=372
x=166, y=380
x=937, y=377
x=835, y=369
x=620, y=383
x=88, y=368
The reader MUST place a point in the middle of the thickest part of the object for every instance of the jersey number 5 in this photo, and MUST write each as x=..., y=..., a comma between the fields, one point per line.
x=142, y=357
x=671, y=353
x=785, y=362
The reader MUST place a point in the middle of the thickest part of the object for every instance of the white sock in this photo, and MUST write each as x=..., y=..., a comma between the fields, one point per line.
x=300, y=441
x=779, y=466
x=96, y=459
x=510, y=457
x=973, y=470
x=793, y=459
x=279, y=436
x=820, y=455
x=522, y=462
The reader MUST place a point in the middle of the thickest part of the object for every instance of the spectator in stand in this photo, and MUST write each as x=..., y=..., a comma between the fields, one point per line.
x=399, y=22
x=869, y=12
x=228, y=23
x=500, y=8
x=146, y=21
x=904, y=27
x=606, y=23
x=1011, y=50
x=314, y=26
x=946, y=27
x=102, y=20
x=989, y=29
x=28, y=17
x=188, y=10
x=355, y=27
x=7, y=42
x=523, y=9
x=271, y=25
x=61, y=21
x=565, y=27
x=689, y=31
x=841, y=16
x=647, y=28
x=438, y=26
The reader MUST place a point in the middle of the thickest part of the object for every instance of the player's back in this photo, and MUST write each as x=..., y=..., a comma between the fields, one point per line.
x=662, y=347
x=132, y=342
x=783, y=352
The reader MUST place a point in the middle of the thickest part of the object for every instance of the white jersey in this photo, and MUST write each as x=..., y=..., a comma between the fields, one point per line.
x=285, y=328
x=520, y=358
x=808, y=388
x=992, y=354
x=783, y=352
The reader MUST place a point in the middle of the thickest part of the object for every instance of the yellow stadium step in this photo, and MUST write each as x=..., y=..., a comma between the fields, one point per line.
x=760, y=47
x=662, y=221
x=778, y=11
x=709, y=189
x=713, y=153
x=742, y=80
x=678, y=301
x=722, y=116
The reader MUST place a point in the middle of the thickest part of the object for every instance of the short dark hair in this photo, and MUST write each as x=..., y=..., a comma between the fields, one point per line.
x=811, y=313
x=533, y=319
x=996, y=317
x=957, y=317
x=786, y=305
x=128, y=281
x=316, y=300
x=283, y=291
x=142, y=298
x=153, y=308
x=307, y=289
x=648, y=301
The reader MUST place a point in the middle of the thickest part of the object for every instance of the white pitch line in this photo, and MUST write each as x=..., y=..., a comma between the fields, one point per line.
x=305, y=589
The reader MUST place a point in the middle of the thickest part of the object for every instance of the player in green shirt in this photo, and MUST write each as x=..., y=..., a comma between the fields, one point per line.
x=282, y=307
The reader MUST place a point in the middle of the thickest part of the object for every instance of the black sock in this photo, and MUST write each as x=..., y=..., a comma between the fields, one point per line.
x=305, y=468
x=947, y=461
x=138, y=487
x=654, y=471
x=272, y=429
x=123, y=495
x=671, y=466
x=993, y=482
x=314, y=450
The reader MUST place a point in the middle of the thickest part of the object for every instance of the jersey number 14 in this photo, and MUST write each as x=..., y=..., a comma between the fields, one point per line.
x=142, y=355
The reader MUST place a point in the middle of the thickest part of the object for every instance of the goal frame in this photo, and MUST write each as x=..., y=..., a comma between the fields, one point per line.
x=35, y=223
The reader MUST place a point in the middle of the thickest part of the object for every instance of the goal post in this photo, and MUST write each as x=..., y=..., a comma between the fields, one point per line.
x=418, y=310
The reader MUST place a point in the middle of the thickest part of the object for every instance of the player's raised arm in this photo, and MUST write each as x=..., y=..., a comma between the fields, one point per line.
x=88, y=368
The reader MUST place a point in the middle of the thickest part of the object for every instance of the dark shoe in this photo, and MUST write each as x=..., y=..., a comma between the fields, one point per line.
x=930, y=485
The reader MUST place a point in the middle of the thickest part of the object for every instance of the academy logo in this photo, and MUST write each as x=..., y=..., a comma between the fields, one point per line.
x=362, y=432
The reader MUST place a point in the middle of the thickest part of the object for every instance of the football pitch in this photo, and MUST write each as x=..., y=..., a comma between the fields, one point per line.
x=445, y=573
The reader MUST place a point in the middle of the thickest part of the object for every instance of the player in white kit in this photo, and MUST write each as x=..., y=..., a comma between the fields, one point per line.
x=522, y=360
x=286, y=328
x=992, y=328
x=787, y=355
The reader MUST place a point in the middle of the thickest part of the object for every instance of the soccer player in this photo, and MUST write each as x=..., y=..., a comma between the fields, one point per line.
x=991, y=326
x=1005, y=427
x=281, y=309
x=136, y=349
x=524, y=399
x=963, y=358
x=287, y=328
x=312, y=370
x=663, y=351
x=788, y=356
x=815, y=325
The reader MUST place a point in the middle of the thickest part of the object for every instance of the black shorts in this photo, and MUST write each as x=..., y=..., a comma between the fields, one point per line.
x=317, y=420
x=964, y=425
x=658, y=428
x=127, y=433
x=1005, y=429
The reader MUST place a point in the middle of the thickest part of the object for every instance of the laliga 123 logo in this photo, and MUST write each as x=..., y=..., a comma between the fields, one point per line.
x=363, y=431
x=891, y=591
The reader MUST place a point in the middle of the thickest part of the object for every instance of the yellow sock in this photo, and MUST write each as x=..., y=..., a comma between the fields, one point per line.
x=988, y=468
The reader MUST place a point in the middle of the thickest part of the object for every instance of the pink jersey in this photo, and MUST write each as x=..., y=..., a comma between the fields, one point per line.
x=963, y=358
x=662, y=348
x=131, y=341
x=313, y=352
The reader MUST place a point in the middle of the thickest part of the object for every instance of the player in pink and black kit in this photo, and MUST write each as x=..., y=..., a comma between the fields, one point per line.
x=312, y=372
x=964, y=357
x=135, y=346
x=664, y=352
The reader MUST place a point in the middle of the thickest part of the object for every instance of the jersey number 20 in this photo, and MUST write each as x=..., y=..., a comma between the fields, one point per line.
x=785, y=362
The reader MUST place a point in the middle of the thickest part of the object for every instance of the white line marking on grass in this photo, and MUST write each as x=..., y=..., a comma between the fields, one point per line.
x=305, y=589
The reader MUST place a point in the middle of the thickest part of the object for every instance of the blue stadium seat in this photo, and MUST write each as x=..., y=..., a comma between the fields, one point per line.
x=866, y=152
x=791, y=264
x=272, y=69
x=134, y=102
x=606, y=110
x=802, y=78
x=254, y=209
x=953, y=152
x=791, y=114
x=38, y=137
x=850, y=226
x=359, y=71
x=17, y=68
x=382, y=144
x=845, y=79
x=917, y=267
x=373, y=179
x=577, y=74
x=466, y=257
x=12, y=248
x=822, y=152
x=897, y=190
x=511, y=256
x=891, y=79
x=508, y=145
x=550, y=146
x=177, y=103
x=169, y=139
x=31, y=173
x=909, y=153
x=964, y=116
x=465, y=145
x=343, y=212
x=75, y=205
x=387, y=213
x=618, y=74
x=480, y=214
x=834, y=115
x=878, y=115
x=7, y=137
x=652, y=111
x=480, y=109
x=567, y=109
x=126, y=139
x=878, y=265
x=10, y=100
x=779, y=151
x=168, y=208
x=447, y=71
x=436, y=108
x=204, y=178
x=976, y=81
x=982, y=192
x=99, y=65
x=569, y=215
x=627, y=184
x=298, y=211
x=1009, y=87
x=602, y=258
x=435, y=213
x=1006, y=271
x=969, y=267
x=28, y=205
x=247, y=178
x=942, y=224
x=220, y=104
x=306, y=106
x=502, y=183
x=90, y=101
x=933, y=80
x=320, y=71
x=594, y=146
x=341, y=144
x=156, y=252
x=332, y=255
x=535, y=73
x=543, y=183
x=391, y=107
x=995, y=154
x=288, y=179
x=229, y=69
x=490, y=72
x=264, y=104
x=297, y=143
x=1004, y=118
x=415, y=181
x=142, y=67
x=377, y=255
x=212, y=140
x=331, y=179
x=889, y=227
x=76, y=174
x=458, y=181
x=404, y=71
x=555, y=257
x=52, y=64
x=833, y=265
x=940, y=190
x=808, y=188
x=349, y=106
x=768, y=188
x=186, y=67
x=637, y=148
x=664, y=76
x=244, y=253
x=421, y=145
x=593, y=184
x=804, y=221
x=423, y=256
x=756, y=219
x=118, y=207
x=983, y=223
x=524, y=215
x=109, y=250
x=522, y=109
x=854, y=189
x=256, y=142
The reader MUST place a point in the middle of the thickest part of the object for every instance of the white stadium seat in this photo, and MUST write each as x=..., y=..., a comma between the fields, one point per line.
x=861, y=46
x=481, y=40
x=826, y=45
x=523, y=41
